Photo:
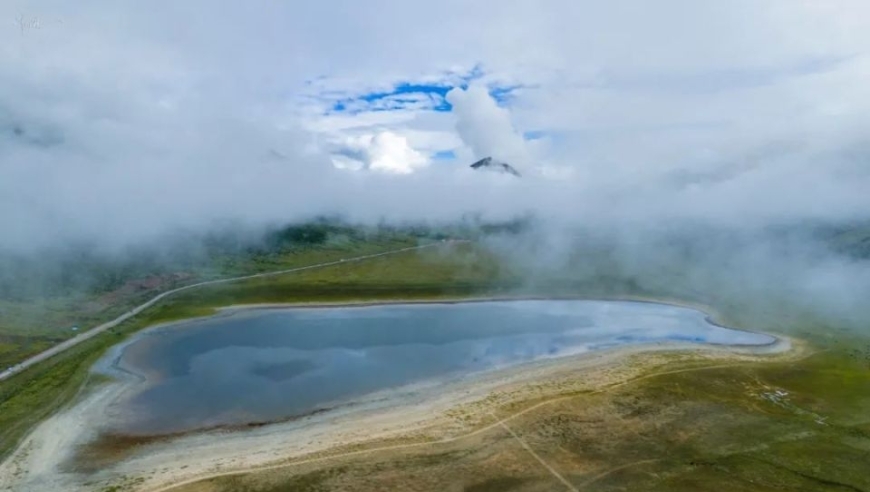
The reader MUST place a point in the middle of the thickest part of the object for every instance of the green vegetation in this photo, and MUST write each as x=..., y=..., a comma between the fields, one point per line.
x=462, y=272
x=453, y=270
x=309, y=482
x=501, y=484
x=691, y=430
x=30, y=324
x=33, y=395
x=796, y=426
x=790, y=425
x=850, y=239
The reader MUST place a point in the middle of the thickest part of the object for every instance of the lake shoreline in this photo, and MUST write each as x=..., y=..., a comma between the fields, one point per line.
x=386, y=414
x=713, y=317
x=142, y=379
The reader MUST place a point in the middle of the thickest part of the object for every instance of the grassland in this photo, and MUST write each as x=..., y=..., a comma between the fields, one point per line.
x=31, y=396
x=31, y=324
x=796, y=425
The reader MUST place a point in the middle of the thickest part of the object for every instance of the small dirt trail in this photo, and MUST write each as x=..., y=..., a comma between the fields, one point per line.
x=72, y=342
x=500, y=423
x=535, y=455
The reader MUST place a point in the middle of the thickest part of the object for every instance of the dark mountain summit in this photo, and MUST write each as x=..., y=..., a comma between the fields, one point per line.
x=490, y=164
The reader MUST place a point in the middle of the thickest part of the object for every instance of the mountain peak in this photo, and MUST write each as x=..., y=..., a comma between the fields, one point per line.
x=490, y=164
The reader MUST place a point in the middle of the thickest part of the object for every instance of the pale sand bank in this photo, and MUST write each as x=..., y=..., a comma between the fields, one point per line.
x=419, y=414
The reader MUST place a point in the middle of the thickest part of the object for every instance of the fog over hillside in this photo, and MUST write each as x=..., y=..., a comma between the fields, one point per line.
x=729, y=140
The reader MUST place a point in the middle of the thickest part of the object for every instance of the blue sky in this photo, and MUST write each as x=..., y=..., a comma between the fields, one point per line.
x=444, y=155
x=391, y=107
x=410, y=94
x=405, y=95
x=593, y=94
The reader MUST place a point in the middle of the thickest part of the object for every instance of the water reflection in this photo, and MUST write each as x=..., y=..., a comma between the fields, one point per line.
x=271, y=364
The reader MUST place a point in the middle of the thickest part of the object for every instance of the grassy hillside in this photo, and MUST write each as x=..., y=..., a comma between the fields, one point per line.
x=446, y=271
x=853, y=241
x=29, y=324
x=683, y=425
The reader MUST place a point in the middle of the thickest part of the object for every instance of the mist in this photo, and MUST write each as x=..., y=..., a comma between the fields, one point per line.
x=684, y=148
x=797, y=272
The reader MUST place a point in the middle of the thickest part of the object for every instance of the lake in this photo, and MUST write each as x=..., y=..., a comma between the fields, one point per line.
x=269, y=364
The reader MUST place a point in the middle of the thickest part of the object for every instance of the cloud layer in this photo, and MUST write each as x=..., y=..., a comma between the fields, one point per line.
x=121, y=120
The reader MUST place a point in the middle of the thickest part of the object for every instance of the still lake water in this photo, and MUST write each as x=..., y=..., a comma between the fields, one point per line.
x=263, y=365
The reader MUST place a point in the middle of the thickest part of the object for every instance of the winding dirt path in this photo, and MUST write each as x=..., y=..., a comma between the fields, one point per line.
x=72, y=342
x=499, y=424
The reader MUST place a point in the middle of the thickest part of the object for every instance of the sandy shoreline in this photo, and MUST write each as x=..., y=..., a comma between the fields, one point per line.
x=421, y=412
x=712, y=316
x=460, y=300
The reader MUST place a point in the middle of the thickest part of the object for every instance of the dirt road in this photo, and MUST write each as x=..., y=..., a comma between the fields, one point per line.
x=72, y=342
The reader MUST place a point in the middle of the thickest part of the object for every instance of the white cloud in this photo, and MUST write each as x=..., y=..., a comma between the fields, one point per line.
x=125, y=118
x=485, y=127
x=384, y=151
x=391, y=153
